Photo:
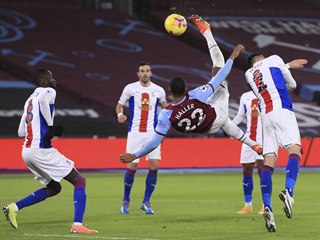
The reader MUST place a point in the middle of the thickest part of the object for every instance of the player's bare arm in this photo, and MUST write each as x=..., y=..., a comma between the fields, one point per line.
x=297, y=63
x=119, y=111
x=236, y=51
x=127, y=157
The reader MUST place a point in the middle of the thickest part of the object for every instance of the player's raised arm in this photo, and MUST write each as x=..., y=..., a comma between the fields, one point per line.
x=294, y=64
x=236, y=51
x=225, y=70
x=297, y=63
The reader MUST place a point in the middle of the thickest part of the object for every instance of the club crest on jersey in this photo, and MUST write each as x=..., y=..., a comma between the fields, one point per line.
x=254, y=107
x=254, y=110
x=145, y=104
x=204, y=87
x=145, y=101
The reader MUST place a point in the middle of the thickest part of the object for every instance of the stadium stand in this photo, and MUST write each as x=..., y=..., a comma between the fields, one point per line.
x=94, y=53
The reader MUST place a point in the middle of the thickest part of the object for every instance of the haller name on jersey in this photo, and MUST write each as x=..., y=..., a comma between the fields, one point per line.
x=184, y=110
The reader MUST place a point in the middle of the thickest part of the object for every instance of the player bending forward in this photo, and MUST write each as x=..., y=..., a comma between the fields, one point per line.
x=271, y=81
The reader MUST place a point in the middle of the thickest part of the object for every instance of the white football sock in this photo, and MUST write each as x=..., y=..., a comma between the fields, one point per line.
x=215, y=52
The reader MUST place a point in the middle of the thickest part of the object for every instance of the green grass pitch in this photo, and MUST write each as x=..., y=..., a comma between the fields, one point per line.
x=186, y=205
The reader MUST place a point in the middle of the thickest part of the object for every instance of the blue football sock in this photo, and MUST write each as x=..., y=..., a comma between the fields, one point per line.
x=266, y=185
x=128, y=182
x=79, y=201
x=292, y=171
x=247, y=185
x=33, y=198
x=151, y=182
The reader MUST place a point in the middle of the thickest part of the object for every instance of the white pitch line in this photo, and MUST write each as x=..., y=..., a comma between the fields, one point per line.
x=84, y=237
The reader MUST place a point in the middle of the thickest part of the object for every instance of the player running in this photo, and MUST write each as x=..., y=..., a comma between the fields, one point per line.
x=47, y=164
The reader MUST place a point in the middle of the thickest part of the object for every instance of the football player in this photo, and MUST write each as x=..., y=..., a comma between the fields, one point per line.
x=47, y=164
x=143, y=97
x=271, y=81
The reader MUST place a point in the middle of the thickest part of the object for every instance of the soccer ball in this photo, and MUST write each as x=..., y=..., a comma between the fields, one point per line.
x=175, y=24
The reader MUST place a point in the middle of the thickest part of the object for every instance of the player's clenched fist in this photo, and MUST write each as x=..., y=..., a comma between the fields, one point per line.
x=236, y=51
x=121, y=117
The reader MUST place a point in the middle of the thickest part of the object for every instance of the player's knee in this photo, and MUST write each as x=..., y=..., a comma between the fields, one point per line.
x=295, y=149
x=247, y=169
x=53, y=188
x=153, y=164
x=79, y=181
x=133, y=166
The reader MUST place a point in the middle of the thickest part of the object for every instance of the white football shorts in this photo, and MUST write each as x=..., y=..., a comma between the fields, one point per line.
x=248, y=155
x=279, y=128
x=47, y=164
x=220, y=98
x=220, y=102
x=136, y=140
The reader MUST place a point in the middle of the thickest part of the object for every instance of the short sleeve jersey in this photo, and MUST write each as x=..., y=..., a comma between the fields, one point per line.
x=33, y=122
x=143, y=105
x=268, y=84
x=191, y=115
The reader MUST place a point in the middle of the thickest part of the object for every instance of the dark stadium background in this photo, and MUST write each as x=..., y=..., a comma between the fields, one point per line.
x=93, y=48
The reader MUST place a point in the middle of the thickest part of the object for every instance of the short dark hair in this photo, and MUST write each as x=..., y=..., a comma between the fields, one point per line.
x=143, y=64
x=252, y=58
x=39, y=76
x=177, y=86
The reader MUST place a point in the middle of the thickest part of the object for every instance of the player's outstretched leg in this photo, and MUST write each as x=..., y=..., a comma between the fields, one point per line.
x=39, y=195
x=11, y=214
x=201, y=24
x=234, y=131
x=214, y=50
